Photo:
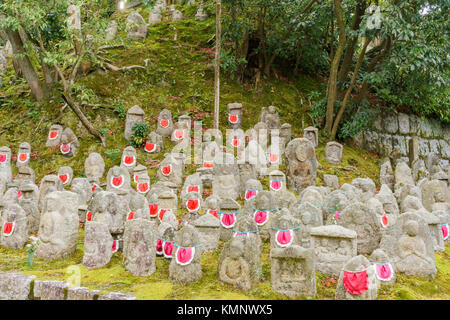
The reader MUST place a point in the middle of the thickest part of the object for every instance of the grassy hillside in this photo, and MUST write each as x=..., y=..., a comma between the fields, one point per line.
x=178, y=77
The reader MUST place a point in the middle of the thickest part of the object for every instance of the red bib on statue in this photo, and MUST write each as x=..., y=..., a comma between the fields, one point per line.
x=23, y=157
x=2, y=158
x=64, y=178
x=52, y=135
x=164, y=123
x=185, y=256
x=261, y=217
x=192, y=189
x=168, y=249
x=233, y=118
x=166, y=170
x=275, y=185
x=356, y=282
x=284, y=238
x=117, y=182
x=192, y=205
x=227, y=220
x=150, y=147
x=153, y=209
x=8, y=228
x=143, y=187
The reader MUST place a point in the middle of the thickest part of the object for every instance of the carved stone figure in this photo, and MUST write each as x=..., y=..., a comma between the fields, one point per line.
x=98, y=244
x=165, y=123
x=94, y=166
x=23, y=155
x=54, y=136
x=69, y=143
x=134, y=115
x=302, y=164
x=333, y=152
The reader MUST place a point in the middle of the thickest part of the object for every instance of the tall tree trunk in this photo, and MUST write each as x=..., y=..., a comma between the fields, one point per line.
x=332, y=81
x=350, y=49
x=38, y=90
x=349, y=90
x=217, y=64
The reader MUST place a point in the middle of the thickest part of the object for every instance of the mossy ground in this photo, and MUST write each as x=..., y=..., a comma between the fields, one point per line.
x=178, y=77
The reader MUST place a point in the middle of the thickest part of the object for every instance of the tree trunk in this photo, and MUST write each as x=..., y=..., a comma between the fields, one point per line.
x=217, y=64
x=75, y=108
x=349, y=90
x=37, y=88
x=350, y=49
x=332, y=81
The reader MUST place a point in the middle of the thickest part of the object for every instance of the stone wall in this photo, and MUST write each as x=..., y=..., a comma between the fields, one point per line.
x=17, y=286
x=393, y=131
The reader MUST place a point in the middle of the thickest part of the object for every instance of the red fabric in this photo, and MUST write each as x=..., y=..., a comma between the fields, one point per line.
x=233, y=118
x=23, y=157
x=284, y=237
x=117, y=181
x=250, y=194
x=93, y=187
x=115, y=246
x=130, y=215
x=8, y=228
x=192, y=189
x=150, y=147
x=444, y=228
x=383, y=271
x=213, y=212
x=65, y=148
x=19, y=194
x=64, y=177
x=153, y=209
x=161, y=214
x=179, y=134
x=236, y=142
x=275, y=185
x=53, y=134
x=356, y=282
x=89, y=216
x=208, y=164
x=168, y=248
x=166, y=170
x=164, y=123
x=184, y=255
x=228, y=220
x=129, y=160
x=159, y=246
x=2, y=157
x=273, y=157
x=261, y=217
x=143, y=187
x=384, y=220
x=192, y=205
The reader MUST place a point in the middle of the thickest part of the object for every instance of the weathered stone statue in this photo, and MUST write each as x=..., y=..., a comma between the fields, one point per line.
x=361, y=218
x=58, y=228
x=154, y=143
x=270, y=117
x=25, y=175
x=333, y=246
x=292, y=271
x=208, y=227
x=69, y=143
x=118, y=178
x=136, y=27
x=23, y=155
x=54, y=136
x=357, y=280
x=134, y=115
x=98, y=244
x=333, y=152
x=185, y=266
x=261, y=208
x=29, y=203
x=129, y=159
x=239, y=263
x=48, y=183
x=65, y=174
x=5, y=164
x=409, y=244
x=165, y=123
x=285, y=230
x=14, y=226
x=382, y=266
x=252, y=187
x=139, y=253
x=312, y=134
x=94, y=166
x=229, y=210
x=301, y=164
